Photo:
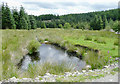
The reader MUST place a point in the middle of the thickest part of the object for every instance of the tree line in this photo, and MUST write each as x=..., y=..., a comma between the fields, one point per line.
x=13, y=19
x=93, y=20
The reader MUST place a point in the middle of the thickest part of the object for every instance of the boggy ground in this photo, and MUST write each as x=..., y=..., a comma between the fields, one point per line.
x=14, y=43
x=107, y=74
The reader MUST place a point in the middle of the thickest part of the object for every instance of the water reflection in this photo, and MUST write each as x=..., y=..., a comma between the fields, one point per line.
x=53, y=55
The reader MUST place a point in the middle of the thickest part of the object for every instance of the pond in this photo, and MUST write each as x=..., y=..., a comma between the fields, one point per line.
x=54, y=55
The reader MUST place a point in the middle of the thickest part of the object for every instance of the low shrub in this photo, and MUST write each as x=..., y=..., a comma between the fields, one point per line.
x=116, y=42
x=33, y=46
x=100, y=40
x=88, y=38
x=94, y=59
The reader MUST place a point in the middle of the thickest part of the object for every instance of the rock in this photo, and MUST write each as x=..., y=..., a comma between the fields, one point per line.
x=13, y=79
x=87, y=67
x=26, y=79
x=48, y=74
x=37, y=78
x=91, y=71
x=105, y=66
x=83, y=71
x=67, y=74
x=116, y=58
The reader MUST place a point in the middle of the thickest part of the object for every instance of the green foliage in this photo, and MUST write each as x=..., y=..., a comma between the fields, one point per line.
x=97, y=23
x=116, y=26
x=16, y=18
x=22, y=20
x=100, y=40
x=115, y=69
x=8, y=21
x=88, y=38
x=60, y=26
x=116, y=42
x=67, y=26
x=95, y=60
x=33, y=22
x=43, y=25
x=33, y=46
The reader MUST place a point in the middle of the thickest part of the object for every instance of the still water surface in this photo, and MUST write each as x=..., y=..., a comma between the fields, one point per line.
x=54, y=55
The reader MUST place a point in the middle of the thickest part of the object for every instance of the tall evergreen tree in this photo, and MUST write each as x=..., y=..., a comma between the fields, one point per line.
x=3, y=16
x=105, y=21
x=100, y=23
x=8, y=19
x=43, y=25
x=22, y=19
x=28, y=21
x=33, y=22
x=16, y=18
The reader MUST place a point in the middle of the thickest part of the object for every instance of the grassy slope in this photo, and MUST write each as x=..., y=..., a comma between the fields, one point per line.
x=14, y=43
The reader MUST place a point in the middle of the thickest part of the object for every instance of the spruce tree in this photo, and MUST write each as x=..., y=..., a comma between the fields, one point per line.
x=22, y=19
x=16, y=18
x=100, y=23
x=3, y=16
x=33, y=22
x=105, y=21
x=8, y=19
x=43, y=25
x=23, y=23
x=28, y=21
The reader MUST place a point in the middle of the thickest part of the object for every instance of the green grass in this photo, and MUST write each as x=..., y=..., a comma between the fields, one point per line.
x=100, y=40
x=33, y=46
x=40, y=70
x=116, y=42
x=115, y=69
x=88, y=38
x=14, y=47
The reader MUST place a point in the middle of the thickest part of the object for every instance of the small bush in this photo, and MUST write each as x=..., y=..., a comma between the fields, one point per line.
x=88, y=38
x=100, y=40
x=116, y=42
x=96, y=39
x=33, y=46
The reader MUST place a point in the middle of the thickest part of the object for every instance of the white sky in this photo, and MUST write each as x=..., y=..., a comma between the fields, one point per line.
x=61, y=7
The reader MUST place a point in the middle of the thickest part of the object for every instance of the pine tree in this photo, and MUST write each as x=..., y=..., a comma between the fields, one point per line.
x=33, y=22
x=28, y=21
x=23, y=23
x=43, y=25
x=22, y=19
x=100, y=23
x=3, y=16
x=16, y=18
x=8, y=19
x=105, y=22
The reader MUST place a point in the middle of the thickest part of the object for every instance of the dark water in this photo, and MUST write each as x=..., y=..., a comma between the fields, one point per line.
x=53, y=55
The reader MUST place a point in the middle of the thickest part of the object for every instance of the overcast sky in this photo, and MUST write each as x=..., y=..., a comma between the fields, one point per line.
x=61, y=7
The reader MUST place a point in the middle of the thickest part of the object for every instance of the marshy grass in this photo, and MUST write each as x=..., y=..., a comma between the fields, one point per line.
x=116, y=42
x=100, y=40
x=35, y=70
x=94, y=59
x=33, y=46
x=15, y=42
x=88, y=38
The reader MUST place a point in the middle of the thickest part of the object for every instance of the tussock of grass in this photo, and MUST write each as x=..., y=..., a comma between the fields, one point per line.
x=100, y=40
x=36, y=70
x=116, y=42
x=94, y=59
x=88, y=38
x=33, y=46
